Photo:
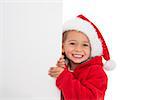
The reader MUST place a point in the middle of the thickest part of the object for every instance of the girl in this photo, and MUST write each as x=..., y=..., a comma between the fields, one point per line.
x=79, y=73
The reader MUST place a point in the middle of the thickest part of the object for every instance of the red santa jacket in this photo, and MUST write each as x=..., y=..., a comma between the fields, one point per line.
x=87, y=82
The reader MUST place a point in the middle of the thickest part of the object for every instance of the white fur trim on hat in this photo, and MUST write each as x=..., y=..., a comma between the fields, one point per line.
x=85, y=27
x=109, y=65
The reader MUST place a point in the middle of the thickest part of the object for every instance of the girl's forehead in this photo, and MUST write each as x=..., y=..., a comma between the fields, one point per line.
x=76, y=34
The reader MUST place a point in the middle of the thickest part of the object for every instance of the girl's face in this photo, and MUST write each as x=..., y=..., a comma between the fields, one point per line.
x=76, y=46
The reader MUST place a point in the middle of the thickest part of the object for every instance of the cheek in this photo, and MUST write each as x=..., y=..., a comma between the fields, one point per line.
x=88, y=52
x=67, y=50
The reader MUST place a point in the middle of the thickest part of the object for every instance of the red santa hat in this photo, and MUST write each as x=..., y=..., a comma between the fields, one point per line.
x=98, y=45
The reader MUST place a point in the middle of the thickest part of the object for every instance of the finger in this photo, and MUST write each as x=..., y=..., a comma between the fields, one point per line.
x=53, y=71
x=49, y=73
x=54, y=74
x=61, y=65
x=61, y=61
x=52, y=68
x=62, y=56
x=56, y=69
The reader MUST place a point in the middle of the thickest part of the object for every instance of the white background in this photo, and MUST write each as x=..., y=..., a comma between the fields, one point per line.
x=26, y=52
x=30, y=42
x=125, y=25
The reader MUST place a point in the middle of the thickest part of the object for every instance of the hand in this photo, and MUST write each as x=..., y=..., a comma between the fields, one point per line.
x=61, y=62
x=55, y=71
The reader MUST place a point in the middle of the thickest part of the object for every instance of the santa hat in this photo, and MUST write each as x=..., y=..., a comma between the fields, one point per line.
x=98, y=45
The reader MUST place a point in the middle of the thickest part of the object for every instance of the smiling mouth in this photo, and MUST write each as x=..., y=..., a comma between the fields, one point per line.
x=77, y=55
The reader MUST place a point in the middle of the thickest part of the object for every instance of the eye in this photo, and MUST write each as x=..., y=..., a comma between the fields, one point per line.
x=72, y=43
x=86, y=45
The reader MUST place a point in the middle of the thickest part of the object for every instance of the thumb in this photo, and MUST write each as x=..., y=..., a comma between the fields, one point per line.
x=62, y=56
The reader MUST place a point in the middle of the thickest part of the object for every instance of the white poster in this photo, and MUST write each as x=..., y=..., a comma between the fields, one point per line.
x=30, y=43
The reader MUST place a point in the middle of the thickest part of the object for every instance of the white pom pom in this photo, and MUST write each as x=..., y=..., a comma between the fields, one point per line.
x=109, y=65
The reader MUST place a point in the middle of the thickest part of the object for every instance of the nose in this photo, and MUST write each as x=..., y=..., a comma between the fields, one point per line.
x=78, y=48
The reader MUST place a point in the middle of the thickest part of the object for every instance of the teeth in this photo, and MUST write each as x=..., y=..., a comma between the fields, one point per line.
x=77, y=55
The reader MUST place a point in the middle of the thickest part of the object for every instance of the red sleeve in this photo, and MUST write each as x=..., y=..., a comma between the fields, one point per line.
x=93, y=88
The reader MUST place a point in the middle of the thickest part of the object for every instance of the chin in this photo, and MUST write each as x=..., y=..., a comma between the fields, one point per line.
x=77, y=62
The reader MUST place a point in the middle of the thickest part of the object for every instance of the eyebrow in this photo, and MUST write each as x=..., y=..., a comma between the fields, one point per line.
x=75, y=41
x=71, y=40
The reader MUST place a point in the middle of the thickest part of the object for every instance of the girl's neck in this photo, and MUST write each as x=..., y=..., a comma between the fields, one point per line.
x=72, y=65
